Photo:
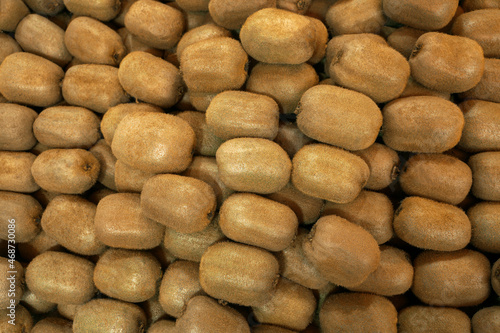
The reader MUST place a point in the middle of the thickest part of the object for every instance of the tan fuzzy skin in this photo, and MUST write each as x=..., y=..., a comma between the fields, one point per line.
x=8, y=269
x=365, y=63
x=179, y=284
x=463, y=57
x=488, y=89
x=91, y=41
x=24, y=320
x=150, y=79
x=109, y=315
x=371, y=210
x=130, y=276
x=232, y=14
x=67, y=127
x=486, y=175
x=296, y=267
x=329, y=173
x=338, y=116
x=291, y=138
x=420, y=14
x=12, y=11
x=46, y=7
x=306, y=208
x=92, y=86
x=436, y=176
x=16, y=175
x=486, y=320
x=485, y=221
x=420, y=319
x=70, y=171
x=225, y=69
x=25, y=210
x=162, y=326
x=53, y=324
x=343, y=252
x=192, y=246
x=61, y=278
x=383, y=163
x=357, y=313
x=103, y=10
x=193, y=5
x=271, y=329
x=164, y=28
x=26, y=78
x=253, y=165
x=205, y=314
x=495, y=277
x=36, y=304
x=403, y=39
x=206, y=31
x=293, y=43
x=432, y=225
x=38, y=35
x=129, y=179
x=40, y=243
x=393, y=276
x=321, y=40
x=455, y=279
x=482, y=125
x=413, y=88
x=207, y=142
x=102, y=151
x=482, y=26
x=284, y=83
x=471, y=5
x=119, y=223
x=154, y=142
x=182, y=203
x=292, y=306
x=69, y=219
x=8, y=45
x=348, y=17
x=115, y=114
x=238, y=273
x=261, y=114
x=251, y=219
x=422, y=124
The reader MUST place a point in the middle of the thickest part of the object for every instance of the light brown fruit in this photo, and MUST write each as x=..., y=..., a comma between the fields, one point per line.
x=421, y=14
x=348, y=17
x=103, y=10
x=129, y=179
x=23, y=320
x=488, y=88
x=486, y=320
x=102, y=151
x=203, y=32
x=12, y=11
x=39, y=244
x=53, y=324
x=485, y=221
x=35, y=304
x=207, y=142
x=403, y=39
x=383, y=163
x=25, y=211
x=46, y=7
x=482, y=126
x=16, y=175
x=486, y=175
x=420, y=319
x=232, y=14
x=11, y=287
x=8, y=45
x=495, y=277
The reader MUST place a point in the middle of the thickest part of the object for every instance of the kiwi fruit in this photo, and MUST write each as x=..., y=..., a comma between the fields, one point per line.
x=15, y=175
x=8, y=45
x=46, y=7
x=193, y=5
x=253, y=165
x=321, y=34
x=61, y=278
x=484, y=218
x=486, y=319
x=488, y=87
x=486, y=176
x=179, y=284
x=53, y=324
x=482, y=123
x=203, y=32
x=25, y=210
x=103, y=10
x=162, y=326
x=38, y=244
x=207, y=142
x=12, y=11
x=182, y=203
x=102, y=151
x=35, y=304
x=67, y=127
x=119, y=222
x=329, y=173
x=12, y=285
x=130, y=179
x=232, y=14
x=403, y=39
x=23, y=320
x=343, y=252
x=291, y=138
x=38, y=35
x=357, y=313
x=420, y=319
x=346, y=17
x=239, y=273
x=455, y=279
x=421, y=15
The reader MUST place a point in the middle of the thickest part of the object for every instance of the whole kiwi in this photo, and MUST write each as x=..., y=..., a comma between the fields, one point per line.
x=420, y=318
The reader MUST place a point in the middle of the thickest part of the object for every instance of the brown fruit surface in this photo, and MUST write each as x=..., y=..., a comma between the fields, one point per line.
x=53, y=324
x=485, y=221
x=488, y=88
x=102, y=151
x=383, y=163
x=348, y=17
x=239, y=273
x=420, y=319
x=25, y=211
x=103, y=10
x=12, y=11
x=421, y=14
x=486, y=175
x=12, y=287
x=207, y=142
x=129, y=179
x=232, y=14
x=15, y=174
x=486, y=320
x=482, y=126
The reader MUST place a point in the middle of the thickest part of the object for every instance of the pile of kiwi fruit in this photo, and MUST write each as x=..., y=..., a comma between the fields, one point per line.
x=235, y=166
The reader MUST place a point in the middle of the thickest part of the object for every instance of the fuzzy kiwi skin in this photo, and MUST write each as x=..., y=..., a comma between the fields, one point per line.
x=129, y=179
x=271, y=329
x=464, y=58
x=436, y=176
x=329, y=173
x=421, y=15
x=53, y=324
x=9, y=269
x=329, y=114
x=29, y=79
x=25, y=210
x=482, y=125
x=489, y=87
x=238, y=273
x=357, y=313
x=8, y=45
x=253, y=165
x=403, y=128
x=38, y=35
x=91, y=41
x=12, y=12
x=485, y=221
x=207, y=142
x=103, y=10
x=232, y=14
x=343, y=252
x=61, y=278
x=69, y=219
x=127, y=275
x=291, y=306
x=495, y=277
x=486, y=320
x=102, y=151
x=383, y=163
x=184, y=204
x=456, y=279
x=162, y=326
x=24, y=321
x=46, y=7
x=94, y=317
x=205, y=314
x=15, y=175
x=420, y=319
x=347, y=17
x=486, y=175
x=179, y=284
x=70, y=171
x=206, y=31
x=154, y=142
x=119, y=223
